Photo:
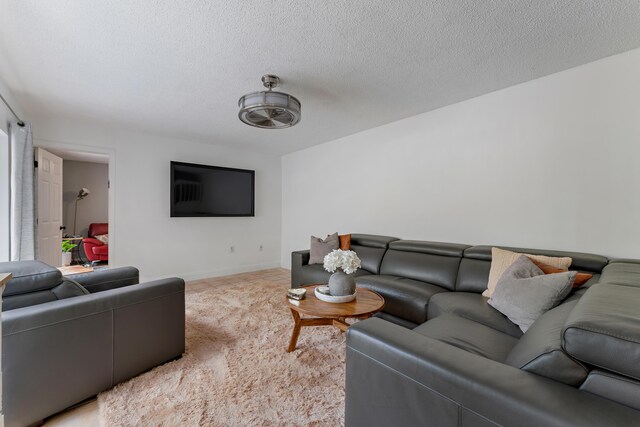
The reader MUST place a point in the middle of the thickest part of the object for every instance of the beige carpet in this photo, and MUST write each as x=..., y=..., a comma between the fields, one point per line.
x=236, y=371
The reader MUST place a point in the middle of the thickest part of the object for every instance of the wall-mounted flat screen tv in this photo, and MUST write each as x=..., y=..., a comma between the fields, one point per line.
x=201, y=190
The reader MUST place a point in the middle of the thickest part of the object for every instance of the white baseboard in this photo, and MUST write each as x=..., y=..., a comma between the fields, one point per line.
x=197, y=275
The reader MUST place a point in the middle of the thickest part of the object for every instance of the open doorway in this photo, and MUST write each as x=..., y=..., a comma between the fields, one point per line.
x=72, y=209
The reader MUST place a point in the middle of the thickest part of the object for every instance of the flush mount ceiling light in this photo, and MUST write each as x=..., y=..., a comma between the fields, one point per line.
x=268, y=109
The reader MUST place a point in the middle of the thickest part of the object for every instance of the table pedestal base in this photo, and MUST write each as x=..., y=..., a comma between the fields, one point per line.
x=339, y=322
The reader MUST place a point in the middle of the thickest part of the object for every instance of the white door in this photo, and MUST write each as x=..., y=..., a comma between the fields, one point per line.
x=49, y=208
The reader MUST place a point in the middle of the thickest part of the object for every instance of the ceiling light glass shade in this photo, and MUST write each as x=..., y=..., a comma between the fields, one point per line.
x=269, y=110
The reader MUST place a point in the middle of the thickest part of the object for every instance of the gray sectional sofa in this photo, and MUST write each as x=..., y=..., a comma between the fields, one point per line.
x=439, y=355
x=64, y=341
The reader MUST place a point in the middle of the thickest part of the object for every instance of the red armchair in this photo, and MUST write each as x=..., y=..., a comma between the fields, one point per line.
x=94, y=249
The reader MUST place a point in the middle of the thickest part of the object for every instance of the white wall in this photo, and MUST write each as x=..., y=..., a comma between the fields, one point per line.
x=93, y=208
x=143, y=234
x=552, y=163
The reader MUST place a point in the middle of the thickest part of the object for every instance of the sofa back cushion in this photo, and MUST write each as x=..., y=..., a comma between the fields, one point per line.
x=476, y=264
x=540, y=349
x=98, y=228
x=69, y=289
x=29, y=276
x=580, y=261
x=604, y=328
x=370, y=249
x=432, y=262
x=473, y=275
x=35, y=282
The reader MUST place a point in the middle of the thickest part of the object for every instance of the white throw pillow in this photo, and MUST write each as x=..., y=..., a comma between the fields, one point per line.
x=104, y=238
x=501, y=259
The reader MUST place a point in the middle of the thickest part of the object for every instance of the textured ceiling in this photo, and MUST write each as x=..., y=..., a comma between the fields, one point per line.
x=179, y=67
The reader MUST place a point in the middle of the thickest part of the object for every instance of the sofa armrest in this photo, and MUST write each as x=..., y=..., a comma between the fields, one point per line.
x=398, y=377
x=108, y=278
x=57, y=354
x=298, y=260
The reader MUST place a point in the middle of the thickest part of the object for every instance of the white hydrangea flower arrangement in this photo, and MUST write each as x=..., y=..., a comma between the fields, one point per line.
x=347, y=261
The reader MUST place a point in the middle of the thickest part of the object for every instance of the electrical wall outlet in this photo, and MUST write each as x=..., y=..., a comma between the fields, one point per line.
x=232, y=249
x=260, y=247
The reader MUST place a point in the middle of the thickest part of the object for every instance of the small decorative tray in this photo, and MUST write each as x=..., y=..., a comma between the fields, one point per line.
x=297, y=293
x=326, y=297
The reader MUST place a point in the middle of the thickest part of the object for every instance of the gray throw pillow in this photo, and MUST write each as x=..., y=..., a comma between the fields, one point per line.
x=321, y=248
x=523, y=293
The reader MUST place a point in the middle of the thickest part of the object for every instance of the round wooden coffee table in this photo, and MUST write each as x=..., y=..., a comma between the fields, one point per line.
x=366, y=304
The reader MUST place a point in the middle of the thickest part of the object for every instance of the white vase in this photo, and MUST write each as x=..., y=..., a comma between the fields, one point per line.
x=341, y=284
x=66, y=259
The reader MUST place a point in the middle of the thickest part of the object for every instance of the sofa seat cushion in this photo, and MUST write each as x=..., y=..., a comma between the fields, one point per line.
x=468, y=335
x=395, y=319
x=474, y=307
x=67, y=288
x=613, y=387
x=404, y=298
x=315, y=273
x=26, y=300
x=622, y=273
x=101, y=250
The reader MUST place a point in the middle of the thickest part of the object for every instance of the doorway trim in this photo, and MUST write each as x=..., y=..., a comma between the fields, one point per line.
x=111, y=152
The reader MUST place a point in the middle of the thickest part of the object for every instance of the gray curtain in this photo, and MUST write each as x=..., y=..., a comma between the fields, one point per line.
x=22, y=193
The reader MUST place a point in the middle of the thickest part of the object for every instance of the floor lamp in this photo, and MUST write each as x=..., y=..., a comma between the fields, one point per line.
x=84, y=192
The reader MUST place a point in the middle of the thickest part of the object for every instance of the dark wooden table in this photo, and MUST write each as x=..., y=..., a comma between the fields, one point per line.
x=366, y=304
